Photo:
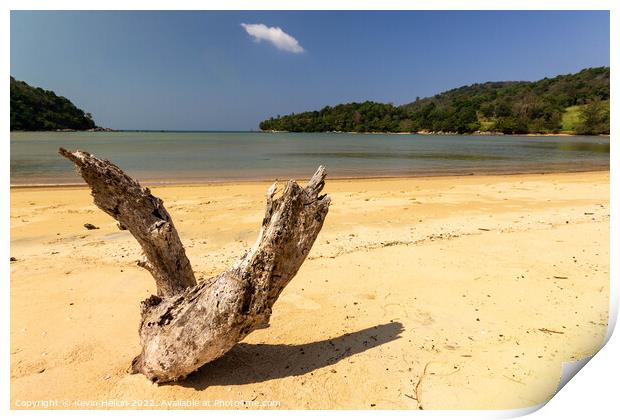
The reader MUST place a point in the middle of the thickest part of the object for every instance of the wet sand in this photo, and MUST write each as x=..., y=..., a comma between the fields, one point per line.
x=446, y=292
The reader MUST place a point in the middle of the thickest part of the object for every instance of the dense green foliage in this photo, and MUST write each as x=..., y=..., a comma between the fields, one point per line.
x=507, y=107
x=594, y=117
x=35, y=109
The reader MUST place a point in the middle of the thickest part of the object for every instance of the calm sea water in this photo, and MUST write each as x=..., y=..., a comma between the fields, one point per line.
x=199, y=157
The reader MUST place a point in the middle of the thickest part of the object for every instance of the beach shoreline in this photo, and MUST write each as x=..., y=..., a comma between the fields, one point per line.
x=453, y=292
x=202, y=182
x=441, y=133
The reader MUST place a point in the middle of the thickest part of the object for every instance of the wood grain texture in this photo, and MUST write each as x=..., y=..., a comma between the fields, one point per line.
x=187, y=324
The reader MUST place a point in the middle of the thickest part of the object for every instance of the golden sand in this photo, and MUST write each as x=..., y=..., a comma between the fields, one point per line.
x=447, y=292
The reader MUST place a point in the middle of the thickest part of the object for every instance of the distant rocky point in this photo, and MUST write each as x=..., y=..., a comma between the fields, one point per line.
x=90, y=130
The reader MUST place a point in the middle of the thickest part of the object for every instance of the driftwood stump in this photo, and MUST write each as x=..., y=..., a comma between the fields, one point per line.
x=188, y=324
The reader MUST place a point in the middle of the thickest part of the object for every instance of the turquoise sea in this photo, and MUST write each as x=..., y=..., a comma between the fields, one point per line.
x=187, y=157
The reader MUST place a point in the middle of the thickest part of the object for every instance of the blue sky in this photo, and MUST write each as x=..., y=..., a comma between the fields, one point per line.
x=205, y=71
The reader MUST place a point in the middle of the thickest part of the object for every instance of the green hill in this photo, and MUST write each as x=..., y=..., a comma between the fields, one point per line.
x=36, y=109
x=575, y=103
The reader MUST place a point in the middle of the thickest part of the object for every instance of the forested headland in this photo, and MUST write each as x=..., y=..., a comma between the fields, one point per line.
x=36, y=109
x=573, y=104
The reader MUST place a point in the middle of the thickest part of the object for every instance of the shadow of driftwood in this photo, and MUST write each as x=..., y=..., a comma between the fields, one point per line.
x=252, y=363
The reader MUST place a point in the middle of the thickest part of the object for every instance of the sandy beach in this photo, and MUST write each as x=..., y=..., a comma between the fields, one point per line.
x=433, y=293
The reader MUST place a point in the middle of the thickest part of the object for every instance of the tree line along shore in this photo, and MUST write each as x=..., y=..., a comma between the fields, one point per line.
x=567, y=104
x=37, y=109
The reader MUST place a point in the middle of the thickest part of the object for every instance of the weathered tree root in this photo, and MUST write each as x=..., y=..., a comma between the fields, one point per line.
x=188, y=325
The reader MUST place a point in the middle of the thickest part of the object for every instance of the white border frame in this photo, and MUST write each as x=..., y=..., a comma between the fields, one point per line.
x=591, y=394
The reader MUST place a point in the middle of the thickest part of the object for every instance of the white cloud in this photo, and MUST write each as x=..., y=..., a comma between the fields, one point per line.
x=275, y=35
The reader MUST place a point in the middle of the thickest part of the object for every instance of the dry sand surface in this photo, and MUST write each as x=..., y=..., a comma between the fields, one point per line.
x=447, y=292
